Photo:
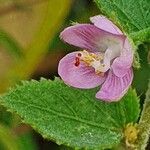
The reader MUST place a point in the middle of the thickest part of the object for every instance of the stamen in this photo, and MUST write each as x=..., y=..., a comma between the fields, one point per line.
x=100, y=73
x=79, y=54
x=103, y=65
x=77, y=61
x=91, y=59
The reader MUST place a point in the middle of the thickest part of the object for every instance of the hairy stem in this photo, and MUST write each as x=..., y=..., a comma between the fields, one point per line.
x=144, y=124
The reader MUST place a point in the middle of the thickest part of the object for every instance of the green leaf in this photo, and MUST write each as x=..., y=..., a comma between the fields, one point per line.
x=6, y=118
x=142, y=74
x=132, y=15
x=54, y=12
x=70, y=116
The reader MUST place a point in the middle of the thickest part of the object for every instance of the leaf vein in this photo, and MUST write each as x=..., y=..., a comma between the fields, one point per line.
x=104, y=112
x=70, y=117
x=126, y=16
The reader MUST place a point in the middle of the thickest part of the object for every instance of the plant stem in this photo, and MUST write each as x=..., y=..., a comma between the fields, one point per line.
x=144, y=124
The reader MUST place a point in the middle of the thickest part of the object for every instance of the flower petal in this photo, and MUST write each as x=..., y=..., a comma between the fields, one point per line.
x=79, y=77
x=114, y=87
x=109, y=55
x=90, y=37
x=124, y=62
x=105, y=24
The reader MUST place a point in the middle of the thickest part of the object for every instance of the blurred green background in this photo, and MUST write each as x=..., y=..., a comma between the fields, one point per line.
x=30, y=48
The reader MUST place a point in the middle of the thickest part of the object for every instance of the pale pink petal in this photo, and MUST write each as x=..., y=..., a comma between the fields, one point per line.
x=87, y=36
x=114, y=87
x=105, y=24
x=109, y=55
x=79, y=77
x=124, y=62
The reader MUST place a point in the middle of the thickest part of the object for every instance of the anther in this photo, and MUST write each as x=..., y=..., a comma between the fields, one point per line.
x=79, y=54
x=77, y=61
x=100, y=73
x=103, y=65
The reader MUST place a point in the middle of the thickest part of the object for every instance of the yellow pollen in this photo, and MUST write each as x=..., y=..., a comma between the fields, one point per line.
x=88, y=58
x=93, y=60
x=100, y=73
x=103, y=65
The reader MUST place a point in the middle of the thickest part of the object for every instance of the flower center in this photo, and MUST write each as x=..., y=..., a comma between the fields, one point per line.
x=93, y=60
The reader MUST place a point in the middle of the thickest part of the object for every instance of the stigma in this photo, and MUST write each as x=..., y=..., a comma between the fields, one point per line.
x=92, y=60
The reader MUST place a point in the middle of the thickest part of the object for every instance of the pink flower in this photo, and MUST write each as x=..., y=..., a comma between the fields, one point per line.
x=106, y=59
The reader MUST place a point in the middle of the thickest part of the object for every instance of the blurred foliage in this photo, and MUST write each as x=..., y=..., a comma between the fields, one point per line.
x=8, y=141
x=142, y=75
x=26, y=142
x=6, y=118
x=10, y=44
x=33, y=24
